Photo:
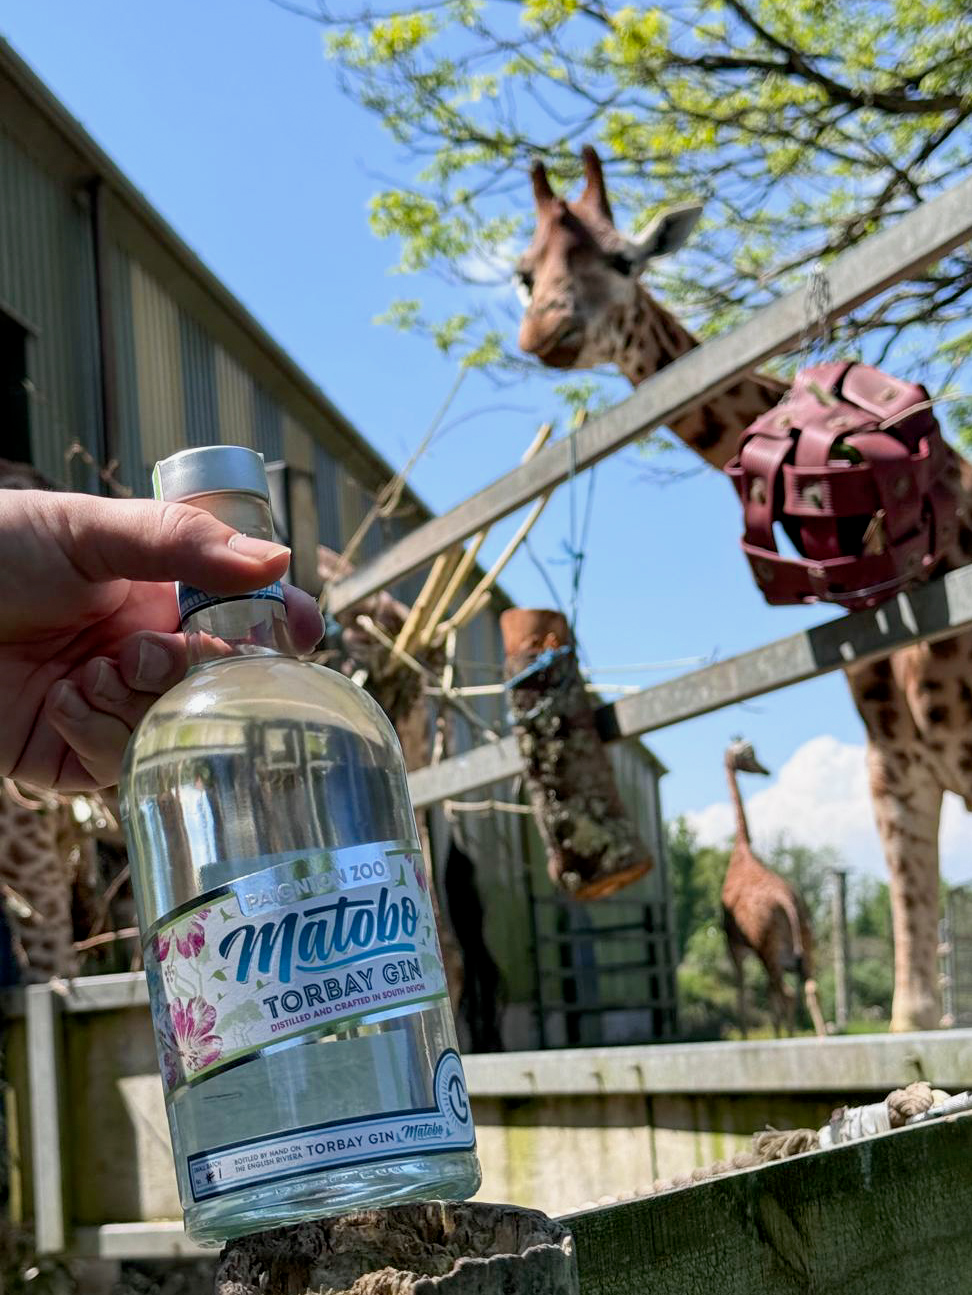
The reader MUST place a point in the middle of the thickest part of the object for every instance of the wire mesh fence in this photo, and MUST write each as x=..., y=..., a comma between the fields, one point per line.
x=955, y=952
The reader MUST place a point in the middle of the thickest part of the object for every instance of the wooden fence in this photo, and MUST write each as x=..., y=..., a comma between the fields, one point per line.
x=888, y=1216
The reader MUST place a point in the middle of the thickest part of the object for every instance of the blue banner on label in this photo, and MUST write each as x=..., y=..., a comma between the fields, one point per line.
x=398, y=1135
x=192, y=600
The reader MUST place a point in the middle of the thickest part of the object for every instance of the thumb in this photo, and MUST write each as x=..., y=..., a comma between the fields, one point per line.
x=141, y=539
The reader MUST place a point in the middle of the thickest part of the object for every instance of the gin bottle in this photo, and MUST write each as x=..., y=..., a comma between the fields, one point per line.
x=305, y=1038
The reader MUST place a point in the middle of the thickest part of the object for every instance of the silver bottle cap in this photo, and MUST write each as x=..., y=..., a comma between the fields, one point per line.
x=210, y=470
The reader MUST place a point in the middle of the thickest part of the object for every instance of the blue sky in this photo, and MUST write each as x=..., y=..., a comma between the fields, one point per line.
x=227, y=116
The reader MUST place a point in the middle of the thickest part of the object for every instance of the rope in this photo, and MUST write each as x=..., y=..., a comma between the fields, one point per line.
x=818, y=305
x=905, y=1106
x=538, y=563
x=576, y=546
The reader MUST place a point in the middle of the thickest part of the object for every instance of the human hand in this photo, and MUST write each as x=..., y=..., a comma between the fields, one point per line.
x=89, y=622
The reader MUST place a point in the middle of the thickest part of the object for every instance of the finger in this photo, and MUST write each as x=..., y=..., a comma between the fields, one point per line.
x=153, y=663
x=74, y=777
x=304, y=617
x=106, y=692
x=142, y=539
x=98, y=740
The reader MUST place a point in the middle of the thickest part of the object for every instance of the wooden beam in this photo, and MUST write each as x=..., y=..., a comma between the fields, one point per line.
x=886, y=1215
x=917, y=239
x=930, y=612
x=51, y=1174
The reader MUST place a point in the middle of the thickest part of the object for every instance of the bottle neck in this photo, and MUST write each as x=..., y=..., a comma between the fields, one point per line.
x=222, y=626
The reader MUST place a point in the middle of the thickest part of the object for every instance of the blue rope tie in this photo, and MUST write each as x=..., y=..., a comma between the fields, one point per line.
x=541, y=662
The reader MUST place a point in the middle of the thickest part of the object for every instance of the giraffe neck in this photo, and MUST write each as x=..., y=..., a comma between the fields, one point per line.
x=742, y=827
x=649, y=339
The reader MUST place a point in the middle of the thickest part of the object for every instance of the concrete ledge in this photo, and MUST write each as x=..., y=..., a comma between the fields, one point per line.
x=158, y=1240
x=845, y=1065
x=841, y=1066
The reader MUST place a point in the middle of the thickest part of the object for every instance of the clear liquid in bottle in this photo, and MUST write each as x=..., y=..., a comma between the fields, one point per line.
x=305, y=1037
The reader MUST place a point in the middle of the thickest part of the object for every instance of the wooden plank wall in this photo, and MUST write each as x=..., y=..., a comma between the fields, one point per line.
x=887, y=1216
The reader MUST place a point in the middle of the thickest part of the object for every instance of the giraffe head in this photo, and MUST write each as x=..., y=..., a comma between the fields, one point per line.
x=578, y=279
x=741, y=757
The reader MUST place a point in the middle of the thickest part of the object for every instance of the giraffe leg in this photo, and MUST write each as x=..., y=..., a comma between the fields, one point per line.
x=783, y=1001
x=789, y=1008
x=907, y=805
x=808, y=981
x=738, y=956
x=777, y=997
x=776, y=1008
x=813, y=1007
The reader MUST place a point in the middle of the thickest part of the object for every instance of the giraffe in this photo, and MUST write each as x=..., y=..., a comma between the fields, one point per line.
x=584, y=306
x=50, y=876
x=763, y=913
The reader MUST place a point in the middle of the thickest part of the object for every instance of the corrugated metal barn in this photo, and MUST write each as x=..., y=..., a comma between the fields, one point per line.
x=117, y=347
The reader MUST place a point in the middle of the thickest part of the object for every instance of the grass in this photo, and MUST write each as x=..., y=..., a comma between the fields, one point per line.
x=853, y=1027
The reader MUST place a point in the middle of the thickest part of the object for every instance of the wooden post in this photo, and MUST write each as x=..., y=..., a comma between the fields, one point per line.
x=433, y=1249
x=948, y=934
x=592, y=846
x=841, y=955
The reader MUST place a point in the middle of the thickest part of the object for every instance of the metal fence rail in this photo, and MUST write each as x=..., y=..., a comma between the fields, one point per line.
x=927, y=613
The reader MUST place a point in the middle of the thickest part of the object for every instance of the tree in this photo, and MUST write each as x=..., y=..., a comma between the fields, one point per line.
x=804, y=127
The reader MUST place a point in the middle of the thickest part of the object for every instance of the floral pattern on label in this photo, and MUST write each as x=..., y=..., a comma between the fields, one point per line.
x=308, y=944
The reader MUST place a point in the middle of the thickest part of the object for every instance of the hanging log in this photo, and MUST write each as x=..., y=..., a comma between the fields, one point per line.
x=432, y=1249
x=592, y=847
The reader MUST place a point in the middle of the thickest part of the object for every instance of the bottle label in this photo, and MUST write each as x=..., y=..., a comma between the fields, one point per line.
x=192, y=600
x=305, y=945
x=401, y=1135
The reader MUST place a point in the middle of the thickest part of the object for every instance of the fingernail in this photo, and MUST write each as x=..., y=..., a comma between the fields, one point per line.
x=248, y=546
x=155, y=663
x=70, y=703
x=109, y=683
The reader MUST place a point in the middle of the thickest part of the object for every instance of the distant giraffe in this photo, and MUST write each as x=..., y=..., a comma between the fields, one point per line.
x=584, y=306
x=763, y=913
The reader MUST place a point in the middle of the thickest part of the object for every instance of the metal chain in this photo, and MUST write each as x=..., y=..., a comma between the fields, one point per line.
x=818, y=332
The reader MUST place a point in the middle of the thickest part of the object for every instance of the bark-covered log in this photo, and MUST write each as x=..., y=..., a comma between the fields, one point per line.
x=433, y=1249
x=592, y=846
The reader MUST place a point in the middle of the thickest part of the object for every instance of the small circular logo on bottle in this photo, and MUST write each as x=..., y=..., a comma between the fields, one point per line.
x=450, y=1094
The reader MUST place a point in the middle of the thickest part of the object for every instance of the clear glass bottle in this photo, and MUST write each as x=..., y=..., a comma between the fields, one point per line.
x=305, y=1037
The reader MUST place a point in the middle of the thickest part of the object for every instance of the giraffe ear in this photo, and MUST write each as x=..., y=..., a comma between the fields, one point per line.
x=595, y=193
x=542, y=191
x=666, y=233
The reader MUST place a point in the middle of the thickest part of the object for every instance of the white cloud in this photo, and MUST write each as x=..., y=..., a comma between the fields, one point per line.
x=492, y=270
x=821, y=798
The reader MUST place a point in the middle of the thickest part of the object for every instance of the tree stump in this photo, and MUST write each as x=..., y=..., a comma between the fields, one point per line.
x=592, y=847
x=436, y=1248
